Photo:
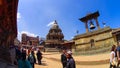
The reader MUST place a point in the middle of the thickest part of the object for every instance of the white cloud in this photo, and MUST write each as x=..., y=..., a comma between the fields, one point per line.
x=72, y=37
x=26, y=32
x=50, y=24
x=22, y=25
x=21, y=22
x=18, y=16
x=19, y=36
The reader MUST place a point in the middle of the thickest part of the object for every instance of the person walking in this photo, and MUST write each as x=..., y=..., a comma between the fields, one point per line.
x=39, y=56
x=70, y=60
x=118, y=53
x=64, y=59
x=112, y=57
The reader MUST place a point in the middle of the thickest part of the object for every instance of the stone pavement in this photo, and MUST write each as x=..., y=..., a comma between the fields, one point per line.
x=82, y=60
x=49, y=63
x=52, y=60
x=6, y=65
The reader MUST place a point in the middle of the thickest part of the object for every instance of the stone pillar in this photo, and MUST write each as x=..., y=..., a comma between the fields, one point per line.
x=97, y=23
x=0, y=2
x=4, y=54
x=86, y=26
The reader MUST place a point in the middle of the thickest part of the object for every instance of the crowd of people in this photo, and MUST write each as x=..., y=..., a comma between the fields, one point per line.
x=25, y=58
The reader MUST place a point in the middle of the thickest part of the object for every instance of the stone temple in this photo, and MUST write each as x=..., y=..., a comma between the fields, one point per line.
x=55, y=37
x=96, y=39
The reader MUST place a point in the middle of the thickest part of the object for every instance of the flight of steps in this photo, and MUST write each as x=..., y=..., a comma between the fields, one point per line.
x=51, y=50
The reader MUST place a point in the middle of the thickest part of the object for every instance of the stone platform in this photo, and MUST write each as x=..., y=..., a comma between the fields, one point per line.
x=51, y=50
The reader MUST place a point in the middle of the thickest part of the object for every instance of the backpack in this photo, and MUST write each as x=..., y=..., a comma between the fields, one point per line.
x=31, y=58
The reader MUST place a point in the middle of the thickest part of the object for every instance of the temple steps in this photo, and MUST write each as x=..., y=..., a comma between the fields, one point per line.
x=51, y=50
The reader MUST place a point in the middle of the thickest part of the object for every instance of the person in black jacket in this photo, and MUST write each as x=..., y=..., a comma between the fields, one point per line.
x=64, y=59
x=39, y=56
x=70, y=60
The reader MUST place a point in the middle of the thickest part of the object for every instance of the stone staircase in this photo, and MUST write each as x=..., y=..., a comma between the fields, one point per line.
x=51, y=50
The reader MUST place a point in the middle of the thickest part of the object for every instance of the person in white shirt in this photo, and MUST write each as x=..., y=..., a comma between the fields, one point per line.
x=112, y=57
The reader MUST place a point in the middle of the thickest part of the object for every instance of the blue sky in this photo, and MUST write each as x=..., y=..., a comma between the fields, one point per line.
x=34, y=15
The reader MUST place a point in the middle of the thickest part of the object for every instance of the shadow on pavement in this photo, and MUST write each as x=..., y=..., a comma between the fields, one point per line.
x=43, y=63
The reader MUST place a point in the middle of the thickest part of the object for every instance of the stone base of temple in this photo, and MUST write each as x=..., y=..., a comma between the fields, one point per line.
x=52, y=50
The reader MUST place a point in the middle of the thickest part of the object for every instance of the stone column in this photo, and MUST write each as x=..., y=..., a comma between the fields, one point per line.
x=0, y=2
x=86, y=26
x=4, y=54
x=97, y=23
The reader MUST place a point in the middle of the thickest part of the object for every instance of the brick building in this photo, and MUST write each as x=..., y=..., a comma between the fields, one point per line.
x=29, y=40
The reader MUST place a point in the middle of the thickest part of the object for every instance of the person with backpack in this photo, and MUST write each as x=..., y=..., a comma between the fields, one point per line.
x=23, y=63
x=32, y=58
